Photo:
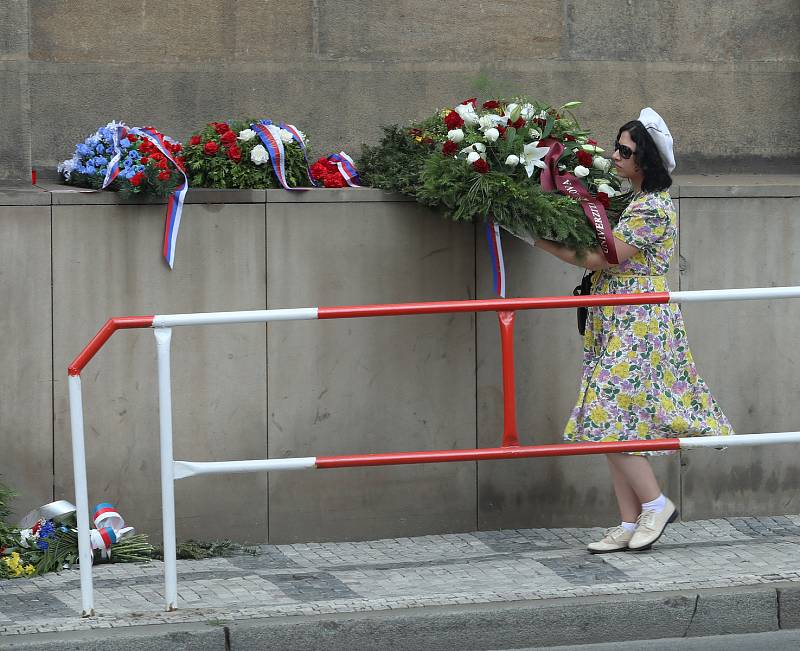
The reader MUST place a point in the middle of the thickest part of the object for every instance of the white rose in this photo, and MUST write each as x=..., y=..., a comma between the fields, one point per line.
x=467, y=113
x=603, y=187
x=485, y=122
x=286, y=136
x=479, y=146
x=247, y=134
x=473, y=156
x=456, y=135
x=581, y=171
x=600, y=163
x=259, y=155
x=491, y=135
x=512, y=160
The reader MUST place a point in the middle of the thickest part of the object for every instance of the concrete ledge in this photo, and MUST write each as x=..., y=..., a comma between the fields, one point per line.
x=550, y=622
x=24, y=196
x=688, y=186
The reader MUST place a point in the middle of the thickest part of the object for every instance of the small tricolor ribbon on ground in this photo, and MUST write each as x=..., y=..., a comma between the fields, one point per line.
x=110, y=528
x=175, y=201
x=496, y=256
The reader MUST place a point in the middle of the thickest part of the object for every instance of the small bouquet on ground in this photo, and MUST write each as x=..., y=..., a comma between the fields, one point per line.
x=143, y=169
x=233, y=155
x=503, y=162
x=51, y=544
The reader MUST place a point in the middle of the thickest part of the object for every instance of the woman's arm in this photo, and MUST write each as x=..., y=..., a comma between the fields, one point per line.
x=593, y=259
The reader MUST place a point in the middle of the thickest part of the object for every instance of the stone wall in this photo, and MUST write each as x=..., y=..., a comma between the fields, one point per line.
x=726, y=76
x=70, y=260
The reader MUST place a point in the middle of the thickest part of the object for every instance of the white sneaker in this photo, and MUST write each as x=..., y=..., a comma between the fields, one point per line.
x=650, y=525
x=615, y=539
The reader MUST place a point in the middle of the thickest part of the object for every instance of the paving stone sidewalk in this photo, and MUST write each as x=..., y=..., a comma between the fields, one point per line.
x=441, y=570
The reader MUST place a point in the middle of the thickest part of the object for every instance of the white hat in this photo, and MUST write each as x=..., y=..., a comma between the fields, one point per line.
x=660, y=134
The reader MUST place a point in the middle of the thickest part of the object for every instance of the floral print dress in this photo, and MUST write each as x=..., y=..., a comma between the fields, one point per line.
x=639, y=379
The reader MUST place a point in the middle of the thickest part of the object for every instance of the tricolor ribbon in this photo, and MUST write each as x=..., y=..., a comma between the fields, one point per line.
x=270, y=135
x=110, y=528
x=299, y=140
x=175, y=201
x=347, y=168
x=571, y=186
x=496, y=255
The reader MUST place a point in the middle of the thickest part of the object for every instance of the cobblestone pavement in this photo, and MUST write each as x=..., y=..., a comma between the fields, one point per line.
x=470, y=568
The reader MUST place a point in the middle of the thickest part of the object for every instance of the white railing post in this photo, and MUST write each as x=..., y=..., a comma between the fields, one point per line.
x=81, y=494
x=163, y=338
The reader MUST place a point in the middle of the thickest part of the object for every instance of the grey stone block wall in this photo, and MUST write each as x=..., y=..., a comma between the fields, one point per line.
x=72, y=260
x=726, y=76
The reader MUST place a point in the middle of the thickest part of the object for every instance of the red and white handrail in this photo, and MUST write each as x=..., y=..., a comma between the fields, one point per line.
x=505, y=308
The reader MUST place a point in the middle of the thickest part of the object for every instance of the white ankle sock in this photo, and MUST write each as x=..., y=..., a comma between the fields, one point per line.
x=628, y=526
x=656, y=505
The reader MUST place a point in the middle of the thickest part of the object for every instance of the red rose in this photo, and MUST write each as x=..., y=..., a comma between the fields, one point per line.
x=145, y=147
x=471, y=100
x=602, y=197
x=234, y=153
x=131, y=137
x=228, y=138
x=449, y=148
x=144, y=160
x=591, y=142
x=157, y=156
x=502, y=130
x=181, y=161
x=175, y=147
x=491, y=104
x=164, y=176
x=518, y=123
x=137, y=179
x=211, y=148
x=453, y=120
x=569, y=138
x=481, y=166
x=318, y=170
x=220, y=127
x=584, y=158
x=194, y=140
x=334, y=181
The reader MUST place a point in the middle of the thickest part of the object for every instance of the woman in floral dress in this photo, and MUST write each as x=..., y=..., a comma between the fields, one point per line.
x=639, y=379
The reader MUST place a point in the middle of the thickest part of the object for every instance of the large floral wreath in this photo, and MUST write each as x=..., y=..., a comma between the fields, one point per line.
x=486, y=163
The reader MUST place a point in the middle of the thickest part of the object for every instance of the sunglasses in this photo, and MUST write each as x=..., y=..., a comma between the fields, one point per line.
x=624, y=151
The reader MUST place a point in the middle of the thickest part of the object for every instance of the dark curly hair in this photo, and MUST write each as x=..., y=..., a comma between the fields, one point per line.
x=656, y=177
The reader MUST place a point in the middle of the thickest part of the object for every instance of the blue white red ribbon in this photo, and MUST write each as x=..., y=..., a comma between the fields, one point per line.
x=175, y=202
x=347, y=168
x=299, y=140
x=496, y=255
x=270, y=135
